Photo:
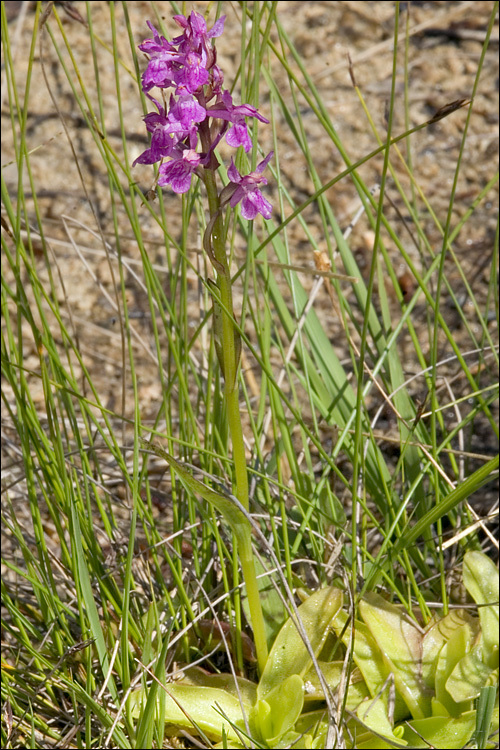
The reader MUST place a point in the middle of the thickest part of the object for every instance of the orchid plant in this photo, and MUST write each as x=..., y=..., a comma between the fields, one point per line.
x=184, y=135
x=399, y=684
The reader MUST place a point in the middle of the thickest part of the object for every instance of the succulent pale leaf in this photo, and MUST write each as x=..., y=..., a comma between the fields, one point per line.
x=437, y=634
x=289, y=655
x=455, y=649
x=367, y=654
x=401, y=645
x=481, y=581
x=239, y=687
x=469, y=675
x=332, y=672
x=198, y=708
x=373, y=714
x=441, y=732
x=276, y=716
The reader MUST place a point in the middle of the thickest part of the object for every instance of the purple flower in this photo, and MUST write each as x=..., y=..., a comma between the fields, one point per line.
x=178, y=172
x=224, y=109
x=168, y=130
x=246, y=190
x=183, y=118
x=238, y=136
x=161, y=66
x=162, y=142
x=199, y=66
x=192, y=75
x=195, y=36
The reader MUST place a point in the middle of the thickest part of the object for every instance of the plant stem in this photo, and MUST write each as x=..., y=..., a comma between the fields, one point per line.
x=229, y=362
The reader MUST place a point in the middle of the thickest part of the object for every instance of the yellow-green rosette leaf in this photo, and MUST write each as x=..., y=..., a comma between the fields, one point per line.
x=437, y=634
x=400, y=642
x=441, y=732
x=469, y=675
x=198, y=709
x=289, y=655
x=277, y=714
x=455, y=649
x=481, y=581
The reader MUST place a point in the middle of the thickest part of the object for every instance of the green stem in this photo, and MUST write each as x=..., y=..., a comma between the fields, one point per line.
x=256, y=615
x=230, y=362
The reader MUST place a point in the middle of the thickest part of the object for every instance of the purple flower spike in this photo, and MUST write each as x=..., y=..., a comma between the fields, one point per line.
x=189, y=122
x=247, y=191
x=178, y=172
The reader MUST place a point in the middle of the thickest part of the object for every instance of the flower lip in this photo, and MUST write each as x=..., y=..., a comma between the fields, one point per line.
x=178, y=172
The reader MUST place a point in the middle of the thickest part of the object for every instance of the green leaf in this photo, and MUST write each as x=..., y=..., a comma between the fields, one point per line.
x=401, y=645
x=330, y=510
x=441, y=732
x=438, y=632
x=469, y=676
x=277, y=714
x=461, y=492
x=481, y=581
x=197, y=708
x=154, y=703
x=457, y=646
x=225, y=504
x=234, y=514
x=289, y=655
